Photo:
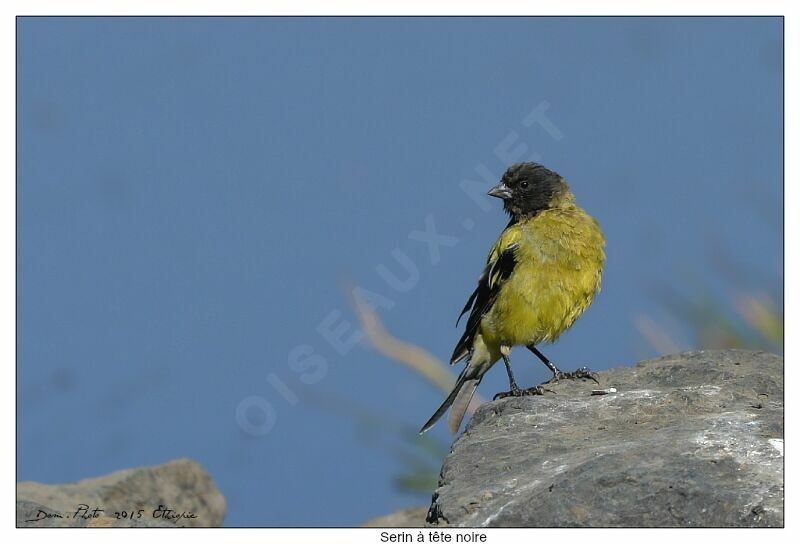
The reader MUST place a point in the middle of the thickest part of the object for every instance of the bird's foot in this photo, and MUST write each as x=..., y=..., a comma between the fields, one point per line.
x=517, y=392
x=581, y=373
x=536, y=390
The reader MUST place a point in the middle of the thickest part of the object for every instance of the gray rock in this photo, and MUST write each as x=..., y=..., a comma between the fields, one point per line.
x=688, y=440
x=179, y=493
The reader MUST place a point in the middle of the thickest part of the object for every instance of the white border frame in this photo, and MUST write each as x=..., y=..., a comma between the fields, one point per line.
x=10, y=9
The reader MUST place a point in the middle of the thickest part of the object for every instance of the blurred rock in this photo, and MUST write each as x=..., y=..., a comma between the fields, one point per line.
x=688, y=440
x=408, y=517
x=179, y=493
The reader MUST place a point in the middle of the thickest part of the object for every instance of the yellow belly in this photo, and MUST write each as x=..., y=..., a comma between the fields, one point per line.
x=560, y=259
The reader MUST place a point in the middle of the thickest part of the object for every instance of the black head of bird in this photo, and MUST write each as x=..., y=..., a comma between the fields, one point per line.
x=528, y=188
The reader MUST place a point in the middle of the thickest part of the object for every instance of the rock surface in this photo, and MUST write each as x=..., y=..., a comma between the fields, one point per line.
x=688, y=440
x=179, y=493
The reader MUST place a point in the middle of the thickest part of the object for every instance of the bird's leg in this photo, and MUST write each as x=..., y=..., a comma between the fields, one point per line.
x=511, y=383
x=515, y=390
x=582, y=372
x=553, y=368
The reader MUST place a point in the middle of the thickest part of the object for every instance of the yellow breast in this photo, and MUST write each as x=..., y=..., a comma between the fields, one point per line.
x=560, y=256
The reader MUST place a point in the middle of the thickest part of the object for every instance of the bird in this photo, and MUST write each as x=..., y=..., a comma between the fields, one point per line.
x=541, y=274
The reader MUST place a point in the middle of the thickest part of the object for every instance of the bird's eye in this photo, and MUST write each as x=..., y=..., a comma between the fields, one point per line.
x=524, y=184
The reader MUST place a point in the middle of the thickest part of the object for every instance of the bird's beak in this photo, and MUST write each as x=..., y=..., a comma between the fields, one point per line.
x=500, y=190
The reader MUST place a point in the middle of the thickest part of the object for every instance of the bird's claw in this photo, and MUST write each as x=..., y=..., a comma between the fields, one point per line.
x=516, y=392
x=536, y=390
x=582, y=372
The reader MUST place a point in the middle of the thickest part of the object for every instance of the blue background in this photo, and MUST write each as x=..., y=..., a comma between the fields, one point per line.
x=196, y=195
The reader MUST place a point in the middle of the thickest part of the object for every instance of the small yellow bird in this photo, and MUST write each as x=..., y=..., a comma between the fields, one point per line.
x=540, y=276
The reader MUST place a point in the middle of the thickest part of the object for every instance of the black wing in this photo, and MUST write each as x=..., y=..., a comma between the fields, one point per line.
x=483, y=298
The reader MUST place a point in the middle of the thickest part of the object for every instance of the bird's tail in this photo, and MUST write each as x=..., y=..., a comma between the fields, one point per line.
x=459, y=398
x=461, y=403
